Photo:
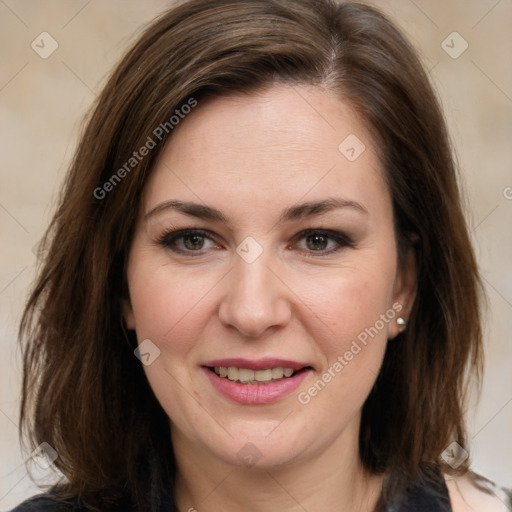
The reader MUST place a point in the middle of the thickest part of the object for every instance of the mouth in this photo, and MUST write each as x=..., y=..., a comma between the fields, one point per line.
x=248, y=376
x=256, y=382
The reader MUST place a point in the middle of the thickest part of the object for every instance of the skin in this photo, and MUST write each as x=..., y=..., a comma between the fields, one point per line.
x=252, y=156
x=466, y=497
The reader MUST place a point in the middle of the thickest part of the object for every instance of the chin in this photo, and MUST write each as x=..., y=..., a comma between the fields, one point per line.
x=260, y=447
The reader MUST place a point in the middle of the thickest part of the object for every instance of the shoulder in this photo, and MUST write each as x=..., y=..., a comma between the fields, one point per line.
x=46, y=503
x=473, y=493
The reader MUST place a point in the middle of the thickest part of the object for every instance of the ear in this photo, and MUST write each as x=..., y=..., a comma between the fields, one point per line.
x=128, y=315
x=404, y=292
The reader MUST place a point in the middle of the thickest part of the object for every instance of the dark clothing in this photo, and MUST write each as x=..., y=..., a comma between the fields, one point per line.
x=424, y=497
x=42, y=503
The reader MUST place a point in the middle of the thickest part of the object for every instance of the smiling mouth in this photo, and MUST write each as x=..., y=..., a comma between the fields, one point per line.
x=248, y=376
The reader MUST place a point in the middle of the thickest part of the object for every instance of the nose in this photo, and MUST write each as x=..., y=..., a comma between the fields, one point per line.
x=256, y=298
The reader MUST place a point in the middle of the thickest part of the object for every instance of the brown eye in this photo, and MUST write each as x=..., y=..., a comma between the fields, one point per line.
x=317, y=242
x=193, y=242
x=187, y=241
x=322, y=242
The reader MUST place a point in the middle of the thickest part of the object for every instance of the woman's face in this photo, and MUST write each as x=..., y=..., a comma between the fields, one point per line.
x=292, y=265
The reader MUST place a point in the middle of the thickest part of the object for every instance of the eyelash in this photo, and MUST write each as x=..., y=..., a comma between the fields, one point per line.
x=169, y=238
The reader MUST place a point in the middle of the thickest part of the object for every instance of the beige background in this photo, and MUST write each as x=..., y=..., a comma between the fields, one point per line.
x=42, y=102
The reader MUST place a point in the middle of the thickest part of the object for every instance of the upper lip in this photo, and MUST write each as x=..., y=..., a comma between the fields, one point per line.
x=259, y=364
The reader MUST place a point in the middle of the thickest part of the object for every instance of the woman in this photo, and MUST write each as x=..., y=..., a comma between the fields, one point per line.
x=259, y=291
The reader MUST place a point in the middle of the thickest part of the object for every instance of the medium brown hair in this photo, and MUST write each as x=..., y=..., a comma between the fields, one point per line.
x=84, y=392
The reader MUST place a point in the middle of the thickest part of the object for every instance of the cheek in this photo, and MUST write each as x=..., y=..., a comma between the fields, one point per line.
x=169, y=307
x=347, y=304
x=349, y=316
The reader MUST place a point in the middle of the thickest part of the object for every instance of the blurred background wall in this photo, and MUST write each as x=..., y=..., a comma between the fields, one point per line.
x=54, y=59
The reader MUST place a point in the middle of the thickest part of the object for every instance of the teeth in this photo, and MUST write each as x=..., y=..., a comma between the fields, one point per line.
x=246, y=376
x=277, y=373
x=232, y=373
x=263, y=375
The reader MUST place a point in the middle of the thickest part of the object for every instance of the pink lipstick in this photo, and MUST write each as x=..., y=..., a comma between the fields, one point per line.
x=261, y=381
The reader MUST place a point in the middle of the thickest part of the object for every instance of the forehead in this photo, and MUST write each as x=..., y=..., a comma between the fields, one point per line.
x=281, y=144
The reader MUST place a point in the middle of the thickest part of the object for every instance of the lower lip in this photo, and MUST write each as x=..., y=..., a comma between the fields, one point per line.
x=256, y=393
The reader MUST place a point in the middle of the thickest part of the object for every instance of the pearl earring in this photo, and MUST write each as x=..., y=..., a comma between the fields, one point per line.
x=402, y=323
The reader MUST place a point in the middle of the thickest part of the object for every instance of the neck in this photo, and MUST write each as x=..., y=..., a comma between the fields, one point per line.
x=332, y=480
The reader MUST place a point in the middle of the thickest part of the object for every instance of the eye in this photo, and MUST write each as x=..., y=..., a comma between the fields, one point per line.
x=314, y=242
x=186, y=241
x=322, y=241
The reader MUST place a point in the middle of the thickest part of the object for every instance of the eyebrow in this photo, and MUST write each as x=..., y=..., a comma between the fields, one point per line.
x=293, y=213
